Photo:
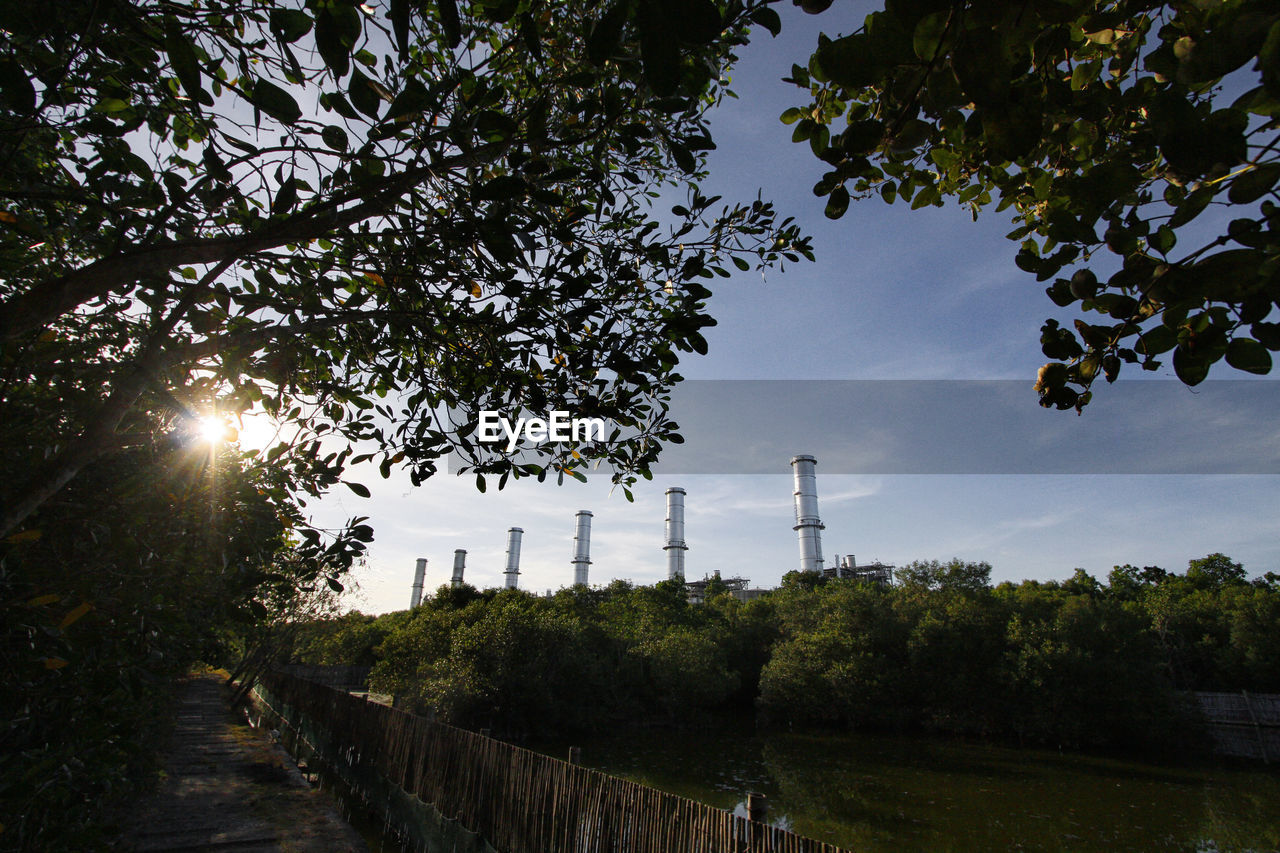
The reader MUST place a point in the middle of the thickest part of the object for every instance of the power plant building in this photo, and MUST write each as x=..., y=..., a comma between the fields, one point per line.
x=877, y=572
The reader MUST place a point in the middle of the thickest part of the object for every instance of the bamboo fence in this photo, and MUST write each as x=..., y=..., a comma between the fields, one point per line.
x=521, y=801
x=1242, y=724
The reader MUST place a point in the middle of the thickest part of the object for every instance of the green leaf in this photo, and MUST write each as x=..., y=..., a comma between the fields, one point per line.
x=182, y=56
x=791, y=115
x=400, y=26
x=337, y=102
x=289, y=25
x=364, y=95
x=1248, y=355
x=605, y=35
x=1191, y=368
x=659, y=51
x=359, y=488
x=684, y=158
x=413, y=100
x=1253, y=184
x=837, y=203
x=338, y=28
x=913, y=134
x=1084, y=73
x=16, y=91
x=495, y=126
x=110, y=106
x=1157, y=340
x=928, y=35
x=286, y=198
x=767, y=18
x=450, y=21
x=848, y=61
x=1191, y=207
x=862, y=137
x=251, y=150
x=818, y=140
x=928, y=195
x=274, y=101
x=1163, y=240
x=335, y=137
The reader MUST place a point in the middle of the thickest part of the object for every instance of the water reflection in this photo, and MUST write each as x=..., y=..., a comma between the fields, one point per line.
x=886, y=793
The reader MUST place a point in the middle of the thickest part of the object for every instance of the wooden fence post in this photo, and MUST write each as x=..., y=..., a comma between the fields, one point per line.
x=1257, y=728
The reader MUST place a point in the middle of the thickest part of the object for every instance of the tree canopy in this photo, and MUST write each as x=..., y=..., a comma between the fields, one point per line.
x=1134, y=142
x=1074, y=662
x=356, y=216
x=367, y=221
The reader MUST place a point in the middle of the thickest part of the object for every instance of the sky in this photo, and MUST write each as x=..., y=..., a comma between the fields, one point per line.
x=1159, y=477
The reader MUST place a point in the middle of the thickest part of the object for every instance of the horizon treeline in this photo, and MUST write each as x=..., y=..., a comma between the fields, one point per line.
x=1080, y=663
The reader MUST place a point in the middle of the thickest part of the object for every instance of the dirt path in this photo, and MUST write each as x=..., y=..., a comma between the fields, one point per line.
x=230, y=788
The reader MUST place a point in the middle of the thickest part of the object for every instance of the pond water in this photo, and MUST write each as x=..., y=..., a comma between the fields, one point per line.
x=892, y=793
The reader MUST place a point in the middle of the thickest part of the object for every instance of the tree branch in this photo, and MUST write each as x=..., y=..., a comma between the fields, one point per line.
x=48, y=300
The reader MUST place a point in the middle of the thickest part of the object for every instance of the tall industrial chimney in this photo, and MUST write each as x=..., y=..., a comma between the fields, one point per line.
x=419, y=575
x=513, y=557
x=459, y=563
x=808, y=525
x=582, y=547
x=675, y=546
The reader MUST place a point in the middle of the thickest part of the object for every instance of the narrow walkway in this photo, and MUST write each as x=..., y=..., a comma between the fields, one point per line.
x=230, y=788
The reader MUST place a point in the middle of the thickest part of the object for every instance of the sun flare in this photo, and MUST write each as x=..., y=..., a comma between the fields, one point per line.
x=212, y=429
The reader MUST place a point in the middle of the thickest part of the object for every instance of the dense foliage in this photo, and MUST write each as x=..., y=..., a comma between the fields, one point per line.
x=153, y=558
x=353, y=217
x=1077, y=663
x=1109, y=127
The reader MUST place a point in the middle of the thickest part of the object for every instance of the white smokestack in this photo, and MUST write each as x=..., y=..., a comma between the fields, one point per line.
x=582, y=547
x=808, y=525
x=675, y=546
x=459, y=563
x=513, y=557
x=419, y=575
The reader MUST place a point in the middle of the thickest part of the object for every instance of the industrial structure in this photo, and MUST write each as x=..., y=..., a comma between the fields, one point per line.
x=877, y=572
x=459, y=563
x=512, y=571
x=808, y=525
x=808, y=529
x=735, y=586
x=582, y=547
x=675, y=546
x=419, y=576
